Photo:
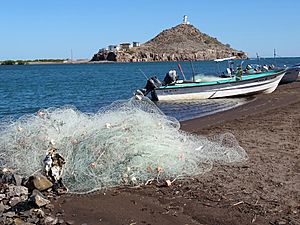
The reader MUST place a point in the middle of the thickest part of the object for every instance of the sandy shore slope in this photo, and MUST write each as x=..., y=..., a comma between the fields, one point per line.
x=264, y=190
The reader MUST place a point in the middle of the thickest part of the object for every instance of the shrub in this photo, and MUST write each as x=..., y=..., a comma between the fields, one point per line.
x=8, y=62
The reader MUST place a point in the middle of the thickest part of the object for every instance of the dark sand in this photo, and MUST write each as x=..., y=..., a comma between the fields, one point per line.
x=264, y=190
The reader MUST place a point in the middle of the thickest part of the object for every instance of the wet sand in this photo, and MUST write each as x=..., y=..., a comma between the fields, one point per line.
x=263, y=190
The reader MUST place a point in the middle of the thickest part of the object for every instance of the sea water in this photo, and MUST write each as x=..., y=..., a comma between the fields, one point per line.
x=25, y=89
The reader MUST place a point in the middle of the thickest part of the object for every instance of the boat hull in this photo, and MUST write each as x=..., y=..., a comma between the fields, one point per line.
x=290, y=76
x=262, y=84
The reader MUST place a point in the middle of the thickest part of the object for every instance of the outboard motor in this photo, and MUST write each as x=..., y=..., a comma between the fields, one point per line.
x=170, y=78
x=265, y=68
x=151, y=84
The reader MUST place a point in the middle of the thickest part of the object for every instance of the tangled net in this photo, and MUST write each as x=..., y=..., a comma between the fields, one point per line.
x=128, y=142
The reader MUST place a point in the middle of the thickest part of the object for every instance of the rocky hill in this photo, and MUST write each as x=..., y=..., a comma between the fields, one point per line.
x=180, y=43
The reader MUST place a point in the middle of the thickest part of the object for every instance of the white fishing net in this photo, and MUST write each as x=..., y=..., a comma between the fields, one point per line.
x=128, y=142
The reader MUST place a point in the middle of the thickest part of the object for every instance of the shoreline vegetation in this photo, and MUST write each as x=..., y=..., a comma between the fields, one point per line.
x=43, y=61
x=83, y=61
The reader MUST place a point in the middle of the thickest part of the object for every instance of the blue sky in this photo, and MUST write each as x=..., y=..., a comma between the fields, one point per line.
x=35, y=29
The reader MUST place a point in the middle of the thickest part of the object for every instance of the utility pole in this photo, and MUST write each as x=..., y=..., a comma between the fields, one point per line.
x=257, y=57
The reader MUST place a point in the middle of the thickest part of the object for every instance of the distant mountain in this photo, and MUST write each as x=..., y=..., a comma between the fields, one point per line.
x=180, y=43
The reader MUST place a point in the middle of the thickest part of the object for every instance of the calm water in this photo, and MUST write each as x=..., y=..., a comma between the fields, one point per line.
x=88, y=87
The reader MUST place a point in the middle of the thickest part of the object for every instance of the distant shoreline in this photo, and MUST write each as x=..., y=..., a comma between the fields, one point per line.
x=65, y=62
x=25, y=62
x=70, y=62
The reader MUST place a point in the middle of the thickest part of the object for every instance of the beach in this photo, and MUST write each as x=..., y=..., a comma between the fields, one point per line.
x=263, y=190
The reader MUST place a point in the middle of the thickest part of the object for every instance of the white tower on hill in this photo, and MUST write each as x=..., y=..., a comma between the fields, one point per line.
x=185, y=20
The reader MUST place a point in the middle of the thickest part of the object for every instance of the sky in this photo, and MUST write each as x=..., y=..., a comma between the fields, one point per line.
x=35, y=29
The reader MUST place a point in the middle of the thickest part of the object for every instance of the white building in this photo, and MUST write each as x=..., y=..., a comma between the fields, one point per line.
x=136, y=44
x=113, y=48
x=125, y=46
x=185, y=20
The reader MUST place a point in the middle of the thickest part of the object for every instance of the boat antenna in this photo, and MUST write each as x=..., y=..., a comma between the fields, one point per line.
x=275, y=56
x=193, y=71
x=179, y=66
x=143, y=73
x=242, y=64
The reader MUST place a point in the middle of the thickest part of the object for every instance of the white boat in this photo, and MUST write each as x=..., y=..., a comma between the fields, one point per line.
x=264, y=82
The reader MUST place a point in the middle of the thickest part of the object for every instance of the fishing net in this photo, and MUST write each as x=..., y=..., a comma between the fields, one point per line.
x=128, y=142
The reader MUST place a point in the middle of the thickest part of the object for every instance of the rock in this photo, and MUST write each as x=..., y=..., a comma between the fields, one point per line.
x=14, y=201
x=39, y=200
x=6, y=177
x=2, y=196
x=9, y=214
x=50, y=207
x=281, y=222
x=9, y=221
x=17, y=191
x=33, y=220
x=18, y=179
x=50, y=220
x=26, y=213
x=18, y=221
x=36, y=192
x=40, y=213
x=2, y=208
x=39, y=182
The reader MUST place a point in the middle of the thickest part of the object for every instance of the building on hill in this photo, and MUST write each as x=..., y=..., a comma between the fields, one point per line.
x=113, y=48
x=125, y=46
x=185, y=20
x=136, y=44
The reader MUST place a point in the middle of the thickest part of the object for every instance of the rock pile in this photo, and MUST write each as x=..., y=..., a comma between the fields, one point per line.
x=26, y=201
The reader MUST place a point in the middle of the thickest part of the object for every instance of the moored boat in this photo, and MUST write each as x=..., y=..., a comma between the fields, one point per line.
x=173, y=89
x=291, y=75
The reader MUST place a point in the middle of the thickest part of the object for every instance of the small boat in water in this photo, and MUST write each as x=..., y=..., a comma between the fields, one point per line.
x=237, y=85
